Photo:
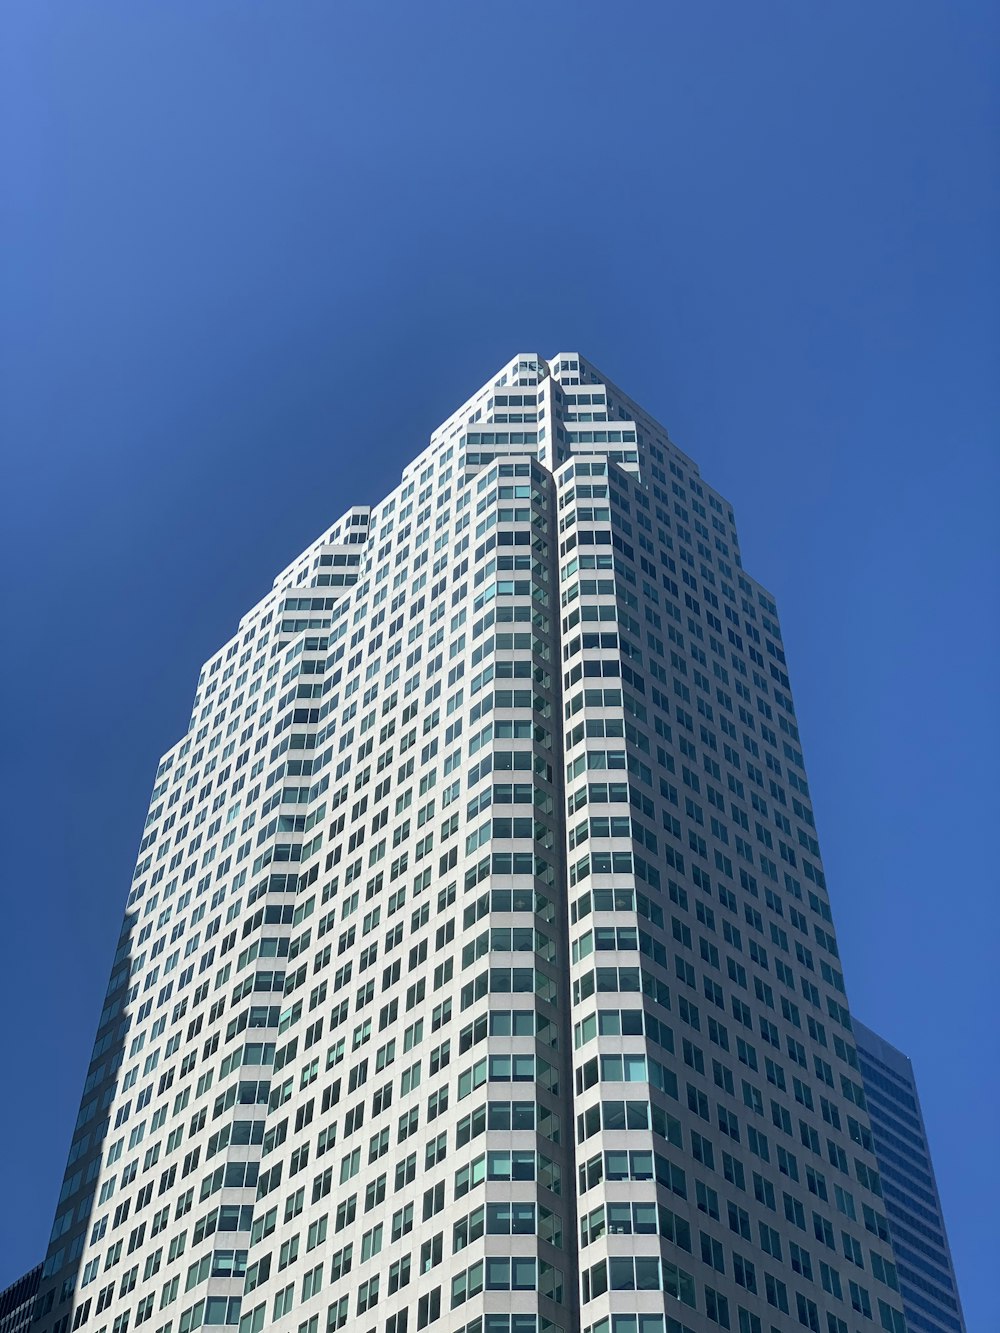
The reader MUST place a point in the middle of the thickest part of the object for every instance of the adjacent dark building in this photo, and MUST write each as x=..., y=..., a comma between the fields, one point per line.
x=923, y=1259
x=17, y=1300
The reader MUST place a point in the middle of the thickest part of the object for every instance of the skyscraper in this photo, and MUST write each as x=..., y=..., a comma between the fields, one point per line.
x=478, y=970
x=17, y=1301
x=916, y=1222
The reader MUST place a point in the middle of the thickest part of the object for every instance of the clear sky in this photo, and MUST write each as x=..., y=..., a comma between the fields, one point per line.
x=251, y=254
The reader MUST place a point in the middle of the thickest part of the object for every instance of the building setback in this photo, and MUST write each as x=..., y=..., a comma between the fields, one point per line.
x=913, y=1208
x=478, y=971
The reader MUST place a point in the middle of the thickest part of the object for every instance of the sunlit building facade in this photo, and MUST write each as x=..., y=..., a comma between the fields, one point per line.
x=478, y=971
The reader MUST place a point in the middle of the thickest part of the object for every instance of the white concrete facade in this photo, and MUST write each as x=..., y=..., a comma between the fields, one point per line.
x=478, y=971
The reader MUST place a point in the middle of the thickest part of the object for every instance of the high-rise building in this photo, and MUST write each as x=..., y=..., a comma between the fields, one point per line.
x=926, y=1274
x=17, y=1302
x=478, y=971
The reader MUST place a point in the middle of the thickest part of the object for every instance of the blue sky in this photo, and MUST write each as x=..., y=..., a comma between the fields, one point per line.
x=251, y=254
